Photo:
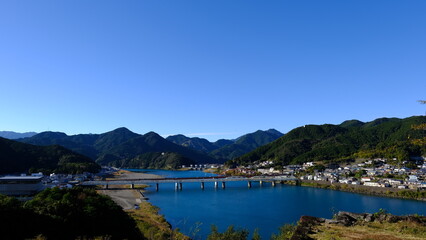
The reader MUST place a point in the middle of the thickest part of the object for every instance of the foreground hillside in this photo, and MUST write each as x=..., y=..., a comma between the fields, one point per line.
x=346, y=225
x=65, y=214
x=124, y=148
x=16, y=157
x=384, y=137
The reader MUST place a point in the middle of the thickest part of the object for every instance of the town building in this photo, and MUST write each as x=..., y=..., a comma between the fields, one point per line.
x=20, y=185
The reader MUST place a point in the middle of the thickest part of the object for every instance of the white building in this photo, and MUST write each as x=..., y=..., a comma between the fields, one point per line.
x=20, y=185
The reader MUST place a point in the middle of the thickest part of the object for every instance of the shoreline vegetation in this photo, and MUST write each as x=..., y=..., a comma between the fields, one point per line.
x=149, y=221
x=347, y=225
x=408, y=194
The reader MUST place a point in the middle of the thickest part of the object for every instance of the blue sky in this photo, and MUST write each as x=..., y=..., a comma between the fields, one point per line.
x=213, y=69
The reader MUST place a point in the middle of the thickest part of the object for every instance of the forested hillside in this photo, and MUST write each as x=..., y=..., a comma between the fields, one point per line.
x=384, y=137
x=124, y=148
x=228, y=149
x=16, y=157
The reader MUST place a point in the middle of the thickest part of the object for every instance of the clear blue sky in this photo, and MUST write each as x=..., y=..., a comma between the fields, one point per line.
x=213, y=69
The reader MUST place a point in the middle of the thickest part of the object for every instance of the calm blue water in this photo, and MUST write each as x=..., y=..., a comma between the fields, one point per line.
x=193, y=210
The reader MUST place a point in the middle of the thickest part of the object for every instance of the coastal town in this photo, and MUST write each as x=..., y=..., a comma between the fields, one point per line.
x=377, y=172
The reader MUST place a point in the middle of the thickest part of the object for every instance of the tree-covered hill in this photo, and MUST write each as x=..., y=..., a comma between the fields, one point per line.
x=246, y=143
x=384, y=137
x=120, y=146
x=17, y=157
x=196, y=143
x=228, y=149
x=137, y=149
x=91, y=145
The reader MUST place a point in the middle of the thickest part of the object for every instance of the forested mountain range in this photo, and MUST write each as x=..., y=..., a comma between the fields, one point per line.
x=124, y=148
x=228, y=149
x=17, y=157
x=16, y=135
x=383, y=137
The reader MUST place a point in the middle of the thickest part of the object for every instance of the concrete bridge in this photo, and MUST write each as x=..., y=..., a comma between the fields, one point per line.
x=179, y=181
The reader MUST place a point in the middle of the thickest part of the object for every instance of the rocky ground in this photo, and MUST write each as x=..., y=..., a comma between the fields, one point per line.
x=376, y=226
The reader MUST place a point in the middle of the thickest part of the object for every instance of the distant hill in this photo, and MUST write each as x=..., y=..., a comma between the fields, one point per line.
x=228, y=149
x=17, y=157
x=199, y=144
x=137, y=148
x=246, y=143
x=384, y=137
x=16, y=135
x=120, y=146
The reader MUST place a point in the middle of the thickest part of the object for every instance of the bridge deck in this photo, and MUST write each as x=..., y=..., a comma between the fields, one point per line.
x=187, y=180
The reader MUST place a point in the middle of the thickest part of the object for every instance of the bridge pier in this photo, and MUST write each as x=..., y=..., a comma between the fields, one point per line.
x=179, y=181
x=178, y=186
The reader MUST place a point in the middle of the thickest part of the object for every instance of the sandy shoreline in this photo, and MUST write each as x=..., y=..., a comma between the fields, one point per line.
x=124, y=196
x=124, y=174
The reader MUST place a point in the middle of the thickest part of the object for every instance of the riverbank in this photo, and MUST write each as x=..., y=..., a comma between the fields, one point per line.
x=150, y=223
x=128, y=175
x=374, y=191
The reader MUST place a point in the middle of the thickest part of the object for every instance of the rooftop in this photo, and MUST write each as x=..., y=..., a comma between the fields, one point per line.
x=20, y=178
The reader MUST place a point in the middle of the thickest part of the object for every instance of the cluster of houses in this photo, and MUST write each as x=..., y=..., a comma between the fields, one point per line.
x=202, y=166
x=24, y=185
x=374, y=173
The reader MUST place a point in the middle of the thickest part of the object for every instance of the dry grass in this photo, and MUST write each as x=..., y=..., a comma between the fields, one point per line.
x=371, y=231
x=153, y=225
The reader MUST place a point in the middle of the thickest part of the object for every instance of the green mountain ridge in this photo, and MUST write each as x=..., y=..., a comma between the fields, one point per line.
x=121, y=146
x=383, y=137
x=17, y=157
x=228, y=149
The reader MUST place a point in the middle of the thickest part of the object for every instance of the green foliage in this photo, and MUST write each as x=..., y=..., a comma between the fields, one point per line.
x=410, y=194
x=380, y=213
x=256, y=235
x=246, y=143
x=230, y=234
x=285, y=232
x=12, y=214
x=318, y=167
x=359, y=174
x=385, y=137
x=65, y=214
x=21, y=157
x=145, y=149
x=159, y=161
x=120, y=146
x=199, y=144
x=227, y=149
